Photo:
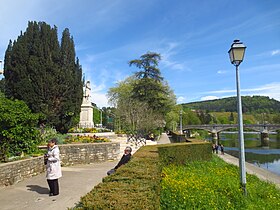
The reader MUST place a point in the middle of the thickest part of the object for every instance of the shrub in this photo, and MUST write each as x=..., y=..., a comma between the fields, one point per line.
x=179, y=153
x=134, y=186
x=18, y=133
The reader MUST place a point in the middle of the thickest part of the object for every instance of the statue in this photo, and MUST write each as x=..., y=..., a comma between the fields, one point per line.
x=86, y=98
x=86, y=115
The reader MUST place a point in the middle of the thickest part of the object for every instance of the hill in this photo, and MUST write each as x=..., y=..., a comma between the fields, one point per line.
x=250, y=104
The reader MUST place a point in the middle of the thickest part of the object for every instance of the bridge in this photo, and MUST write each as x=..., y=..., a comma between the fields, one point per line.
x=215, y=129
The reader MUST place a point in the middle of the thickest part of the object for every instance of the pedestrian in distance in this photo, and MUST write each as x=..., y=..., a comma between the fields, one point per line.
x=53, y=167
x=213, y=148
x=216, y=148
x=125, y=158
x=222, y=149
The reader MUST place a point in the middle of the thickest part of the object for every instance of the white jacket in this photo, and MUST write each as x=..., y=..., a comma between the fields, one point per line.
x=53, y=163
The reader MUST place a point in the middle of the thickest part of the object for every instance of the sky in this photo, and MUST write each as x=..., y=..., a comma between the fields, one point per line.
x=193, y=38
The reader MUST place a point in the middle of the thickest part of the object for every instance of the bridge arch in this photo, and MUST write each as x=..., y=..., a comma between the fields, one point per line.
x=215, y=129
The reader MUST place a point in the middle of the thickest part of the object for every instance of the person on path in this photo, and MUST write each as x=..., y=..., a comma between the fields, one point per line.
x=216, y=148
x=222, y=149
x=53, y=167
x=125, y=158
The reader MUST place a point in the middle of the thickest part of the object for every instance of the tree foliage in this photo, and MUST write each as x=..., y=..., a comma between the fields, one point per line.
x=143, y=100
x=250, y=104
x=18, y=131
x=44, y=73
x=150, y=86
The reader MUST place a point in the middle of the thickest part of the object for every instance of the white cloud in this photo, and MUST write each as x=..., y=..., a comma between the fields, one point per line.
x=167, y=52
x=221, y=72
x=272, y=90
x=275, y=52
x=206, y=98
x=181, y=99
x=100, y=99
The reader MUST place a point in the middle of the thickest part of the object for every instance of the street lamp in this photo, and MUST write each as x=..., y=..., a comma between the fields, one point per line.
x=181, y=126
x=1, y=70
x=236, y=55
x=101, y=118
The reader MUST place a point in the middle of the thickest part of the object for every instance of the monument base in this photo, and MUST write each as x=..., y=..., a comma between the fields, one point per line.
x=86, y=116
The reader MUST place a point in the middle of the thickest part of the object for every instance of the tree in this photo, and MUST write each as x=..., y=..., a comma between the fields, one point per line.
x=148, y=64
x=45, y=74
x=150, y=86
x=143, y=100
x=231, y=117
x=134, y=115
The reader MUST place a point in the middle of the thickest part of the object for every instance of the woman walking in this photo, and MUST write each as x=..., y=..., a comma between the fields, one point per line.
x=53, y=167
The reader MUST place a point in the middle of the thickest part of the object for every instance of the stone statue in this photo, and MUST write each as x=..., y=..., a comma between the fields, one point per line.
x=86, y=115
x=87, y=92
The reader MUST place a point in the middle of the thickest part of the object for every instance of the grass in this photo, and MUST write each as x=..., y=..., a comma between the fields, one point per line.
x=214, y=185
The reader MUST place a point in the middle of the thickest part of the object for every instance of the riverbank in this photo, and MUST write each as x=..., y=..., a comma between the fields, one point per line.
x=252, y=169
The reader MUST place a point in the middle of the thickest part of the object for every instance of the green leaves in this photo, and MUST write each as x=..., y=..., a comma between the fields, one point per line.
x=18, y=131
x=143, y=100
x=45, y=74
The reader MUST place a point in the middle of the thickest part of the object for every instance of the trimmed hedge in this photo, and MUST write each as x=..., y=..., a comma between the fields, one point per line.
x=134, y=186
x=180, y=153
x=137, y=184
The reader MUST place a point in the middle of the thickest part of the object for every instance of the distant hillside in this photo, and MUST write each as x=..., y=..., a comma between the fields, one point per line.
x=250, y=104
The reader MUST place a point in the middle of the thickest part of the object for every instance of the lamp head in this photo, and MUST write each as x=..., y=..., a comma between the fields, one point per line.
x=236, y=52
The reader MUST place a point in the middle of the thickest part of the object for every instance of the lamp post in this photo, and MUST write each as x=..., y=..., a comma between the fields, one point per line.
x=181, y=126
x=1, y=70
x=101, y=118
x=236, y=54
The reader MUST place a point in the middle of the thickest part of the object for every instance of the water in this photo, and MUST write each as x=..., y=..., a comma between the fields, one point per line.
x=264, y=157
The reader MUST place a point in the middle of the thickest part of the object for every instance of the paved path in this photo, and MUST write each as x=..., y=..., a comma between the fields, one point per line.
x=164, y=139
x=252, y=169
x=33, y=193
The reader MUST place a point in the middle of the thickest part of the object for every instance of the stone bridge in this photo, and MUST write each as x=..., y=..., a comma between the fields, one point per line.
x=215, y=129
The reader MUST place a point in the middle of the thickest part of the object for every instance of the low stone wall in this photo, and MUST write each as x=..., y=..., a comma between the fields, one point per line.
x=70, y=154
x=16, y=171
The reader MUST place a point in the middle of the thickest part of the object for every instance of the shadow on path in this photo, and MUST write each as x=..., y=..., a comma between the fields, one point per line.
x=38, y=189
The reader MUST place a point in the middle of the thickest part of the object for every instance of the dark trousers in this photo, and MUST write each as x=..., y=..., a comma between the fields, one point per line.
x=53, y=185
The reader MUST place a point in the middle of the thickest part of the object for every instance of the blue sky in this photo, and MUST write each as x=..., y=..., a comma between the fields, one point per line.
x=193, y=38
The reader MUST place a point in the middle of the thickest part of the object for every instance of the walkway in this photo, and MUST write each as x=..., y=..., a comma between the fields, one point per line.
x=252, y=169
x=164, y=139
x=33, y=193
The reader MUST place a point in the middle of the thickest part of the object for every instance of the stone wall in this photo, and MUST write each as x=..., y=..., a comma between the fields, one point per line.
x=70, y=154
x=16, y=171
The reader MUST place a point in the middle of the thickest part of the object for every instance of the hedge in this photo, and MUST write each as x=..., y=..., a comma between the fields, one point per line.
x=180, y=153
x=137, y=184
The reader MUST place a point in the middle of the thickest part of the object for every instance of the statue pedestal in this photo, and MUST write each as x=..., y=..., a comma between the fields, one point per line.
x=86, y=116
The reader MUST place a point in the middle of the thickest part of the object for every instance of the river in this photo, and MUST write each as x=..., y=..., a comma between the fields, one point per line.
x=264, y=157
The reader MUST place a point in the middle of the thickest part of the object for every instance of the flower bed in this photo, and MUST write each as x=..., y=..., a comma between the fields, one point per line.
x=84, y=139
x=88, y=130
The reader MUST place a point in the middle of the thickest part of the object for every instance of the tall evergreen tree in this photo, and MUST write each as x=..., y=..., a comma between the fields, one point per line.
x=45, y=74
x=150, y=87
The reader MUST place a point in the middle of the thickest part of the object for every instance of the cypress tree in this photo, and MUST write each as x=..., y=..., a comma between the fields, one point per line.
x=44, y=74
